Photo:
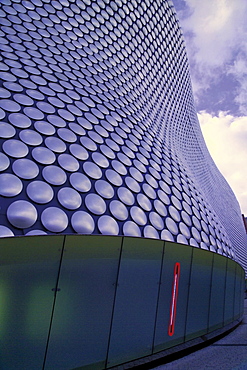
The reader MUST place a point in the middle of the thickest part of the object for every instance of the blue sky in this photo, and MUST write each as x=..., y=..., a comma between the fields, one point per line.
x=215, y=32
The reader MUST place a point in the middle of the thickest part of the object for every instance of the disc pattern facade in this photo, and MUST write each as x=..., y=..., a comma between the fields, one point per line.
x=98, y=129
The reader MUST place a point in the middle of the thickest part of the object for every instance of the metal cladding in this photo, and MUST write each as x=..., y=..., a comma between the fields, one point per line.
x=98, y=128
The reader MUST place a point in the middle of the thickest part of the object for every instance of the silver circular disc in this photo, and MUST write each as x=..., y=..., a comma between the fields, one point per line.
x=205, y=237
x=55, y=144
x=119, y=167
x=195, y=211
x=95, y=204
x=82, y=222
x=136, y=174
x=35, y=232
x=144, y=202
x=66, y=135
x=213, y=249
x=130, y=228
x=6, y=130
x=22, y=214
x=150, y=232
x=10, y=185
x=15, y=148
x=4, y=162
x=43, y=155
x=167, y=235
x=69, y=198
x=40, y=192
x=160, y=207
x=156, y=220
x=92, y=170
x=108, y=152
x=118, y=210
x=5, y=232
x=151, y=181
x=196, y=223
x=163, y=197
x=205, y=227
x=171, y=226
x=44, y=128
x=138, y=215
x=187, y=208
x=33, y=113
x=212, y=240
x=100, y=160
x=124, y=159
x=149, y=191
x=125, y=196
x=132, y=184
x=195, y=233
x=56, y=120
x=46, y=107
x=9, y=105
x=184, y=230
x=30, y=137
x=193, y=243
x=68, y=163
x=54, y=175
x=204, y=246
x=186, y=218
x=113, y=177
x=54, y=219
x=80, y=182
x=108, y=226
x=176, y=202
x=78, y=151
x=25, y=168
x=175, y=215
x=88, y=143
x=76, y=128
x=104, y=189
x=182, y=239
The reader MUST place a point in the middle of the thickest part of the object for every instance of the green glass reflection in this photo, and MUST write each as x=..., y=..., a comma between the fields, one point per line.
x=199, y=294
x=229, y=296
x=136, y=300
x=28, y=273
x=4, y=308
x=84, y=303
x=238, y=301
x=104, y=278
x=217, y=298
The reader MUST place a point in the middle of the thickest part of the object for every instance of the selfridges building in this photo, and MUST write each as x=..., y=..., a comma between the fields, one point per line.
x=99, y=133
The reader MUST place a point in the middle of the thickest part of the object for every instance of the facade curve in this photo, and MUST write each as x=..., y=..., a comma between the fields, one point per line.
x=99, y=133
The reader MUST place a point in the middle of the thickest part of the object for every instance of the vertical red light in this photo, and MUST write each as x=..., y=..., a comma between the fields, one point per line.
x=173, y=307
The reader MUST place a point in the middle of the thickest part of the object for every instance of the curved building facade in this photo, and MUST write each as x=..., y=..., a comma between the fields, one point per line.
x=99, y=133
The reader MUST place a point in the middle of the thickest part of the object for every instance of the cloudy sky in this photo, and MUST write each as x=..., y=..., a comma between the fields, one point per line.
x=216, y=38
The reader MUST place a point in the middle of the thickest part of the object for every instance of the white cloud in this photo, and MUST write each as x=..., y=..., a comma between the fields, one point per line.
x=217, y=26
x=226, y=138
x=216, y=38
x=239, y=71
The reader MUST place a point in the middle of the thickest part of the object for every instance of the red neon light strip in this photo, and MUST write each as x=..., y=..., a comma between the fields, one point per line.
x=173, y=307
